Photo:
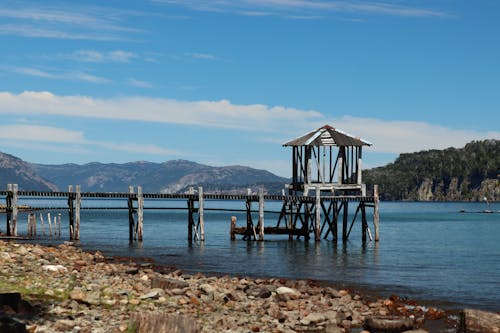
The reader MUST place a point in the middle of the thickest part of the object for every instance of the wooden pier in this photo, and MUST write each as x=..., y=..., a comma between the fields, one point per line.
x=300, y=216
x=326, y=180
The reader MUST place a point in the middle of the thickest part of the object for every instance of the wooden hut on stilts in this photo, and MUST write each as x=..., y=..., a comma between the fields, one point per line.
x=328, y=163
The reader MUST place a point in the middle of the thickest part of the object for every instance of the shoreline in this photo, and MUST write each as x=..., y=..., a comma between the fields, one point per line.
x=73, y=287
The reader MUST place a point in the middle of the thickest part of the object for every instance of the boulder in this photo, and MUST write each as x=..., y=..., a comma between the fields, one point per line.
x=477, y=321
x=168, y=283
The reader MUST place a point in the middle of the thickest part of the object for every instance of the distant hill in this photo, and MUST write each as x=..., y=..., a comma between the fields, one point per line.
x=15, y=170
x=469, y=173
x=169, y=177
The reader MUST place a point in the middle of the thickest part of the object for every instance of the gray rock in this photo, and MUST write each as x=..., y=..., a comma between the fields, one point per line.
x=313, y=318
x=168, y=283
x=480, y=321
x=207, y=289
x=155, y=293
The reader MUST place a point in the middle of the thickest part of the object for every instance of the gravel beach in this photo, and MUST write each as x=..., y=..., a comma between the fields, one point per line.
x=65, y=289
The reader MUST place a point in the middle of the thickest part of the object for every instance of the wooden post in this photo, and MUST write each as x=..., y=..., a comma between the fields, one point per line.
x=317, y=225
x=55, y=226
x=34, y=223
x=78, y=204
x=43, y=224
x=364, y=225
x=344, y=220
x=49, y=220
x=190, y=204
x=59, y=224
x=359, y=166
x=14, y=209
x=261, y=214
x=341, y=169
x=232, y=231
x=29, y=225
x=201, y=207
x=8, y=210
x=71, y=212
x=376, y=202
x=140, y=213
x=131, y=223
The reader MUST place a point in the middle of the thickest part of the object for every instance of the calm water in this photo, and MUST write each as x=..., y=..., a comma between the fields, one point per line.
x=427, y=251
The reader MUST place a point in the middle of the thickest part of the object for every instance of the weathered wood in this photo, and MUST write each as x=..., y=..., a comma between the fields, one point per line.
x=14, y=209
x=71, y=213
x=201, y=214
x=8, y=210
x=131, y=222
x=42, y=224
x=389, y=324
x=49, y=220
x=59, y=224
x=261, y=214
x=190, y=204
x=477, y=321
x=376, y=202
x=345, y=213
x=146, y=322
x=364, y=224
x=78, y=204
x=317, y=231
x=232, y=232
x=140, y=213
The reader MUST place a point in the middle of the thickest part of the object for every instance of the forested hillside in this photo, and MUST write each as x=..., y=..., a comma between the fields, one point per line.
x=469, y=173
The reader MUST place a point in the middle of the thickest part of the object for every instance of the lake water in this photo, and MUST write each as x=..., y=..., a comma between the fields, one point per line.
x=427, y=251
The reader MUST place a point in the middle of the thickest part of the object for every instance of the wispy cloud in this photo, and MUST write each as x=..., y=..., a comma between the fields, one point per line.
x=44, y=137
x=201, y=56
x=139, y=83
x=308, y=8
x=274, y=123
x=94, y=56
x=75, y=22
x=73, y=75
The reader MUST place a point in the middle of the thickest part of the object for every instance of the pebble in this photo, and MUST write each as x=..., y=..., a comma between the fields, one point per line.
x=87, y=293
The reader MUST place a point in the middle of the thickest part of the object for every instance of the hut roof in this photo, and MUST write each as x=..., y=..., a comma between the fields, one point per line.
x=327, y=136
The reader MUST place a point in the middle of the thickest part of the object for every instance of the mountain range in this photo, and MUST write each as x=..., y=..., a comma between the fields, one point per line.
x=471, y=173
x=169, y=177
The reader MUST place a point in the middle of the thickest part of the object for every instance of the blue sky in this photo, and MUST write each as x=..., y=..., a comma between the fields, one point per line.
x=227, y=82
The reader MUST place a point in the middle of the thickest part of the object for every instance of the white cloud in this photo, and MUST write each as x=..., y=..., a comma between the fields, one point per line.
x=287, y=7
x=43, y=137
x=202, y=56
x=40, y=133
x=139, y=83
x=75, y=76
x=270, y=123
x=64, y=22
x=408, y=136
x=97, y=57
x=221, y=114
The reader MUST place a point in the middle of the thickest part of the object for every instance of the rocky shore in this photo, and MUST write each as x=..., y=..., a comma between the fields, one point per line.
x=65, y=289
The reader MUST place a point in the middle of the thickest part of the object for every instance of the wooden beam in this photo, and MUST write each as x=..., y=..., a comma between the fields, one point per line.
x=261, y=213
x=140, y=214
x=78, y=204
x=317, y=231
x=376, y=202
x=201, y=207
